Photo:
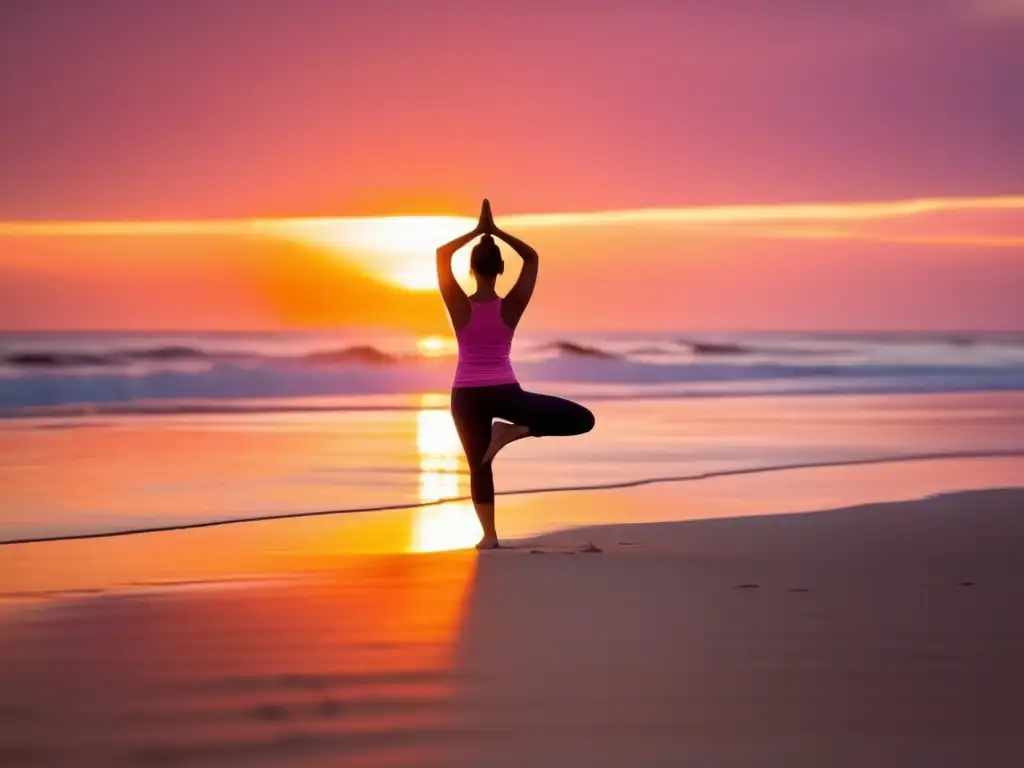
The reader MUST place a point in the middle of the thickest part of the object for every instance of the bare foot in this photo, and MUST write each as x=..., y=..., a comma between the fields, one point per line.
x=503, y=433
x=488, y=542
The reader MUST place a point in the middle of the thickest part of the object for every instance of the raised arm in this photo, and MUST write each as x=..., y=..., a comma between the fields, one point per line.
x=518, y=298
x=454, y=297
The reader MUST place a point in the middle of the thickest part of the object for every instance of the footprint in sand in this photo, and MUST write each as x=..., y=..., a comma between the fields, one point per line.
x=271, y=712
x=552, y=552
x=959, y=584
x=331, y=708
x=19, y=715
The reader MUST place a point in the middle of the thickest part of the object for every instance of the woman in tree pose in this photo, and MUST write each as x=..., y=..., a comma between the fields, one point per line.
x=485, y=387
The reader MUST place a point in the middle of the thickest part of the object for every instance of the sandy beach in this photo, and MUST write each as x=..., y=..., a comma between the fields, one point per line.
x=702, y=320
x=881, y=634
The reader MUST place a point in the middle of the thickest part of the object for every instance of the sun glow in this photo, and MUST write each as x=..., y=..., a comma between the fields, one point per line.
x=436, y=346
x=399, y=249
x=445, y=526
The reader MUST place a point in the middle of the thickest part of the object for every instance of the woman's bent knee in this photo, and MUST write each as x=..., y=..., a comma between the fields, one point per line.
x=585, y=420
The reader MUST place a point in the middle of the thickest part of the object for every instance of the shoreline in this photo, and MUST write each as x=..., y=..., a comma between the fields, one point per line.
x=619, y=485
x=308, y=544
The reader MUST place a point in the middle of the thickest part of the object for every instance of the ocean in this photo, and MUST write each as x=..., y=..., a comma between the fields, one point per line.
x=90, y=373
x=102, y=433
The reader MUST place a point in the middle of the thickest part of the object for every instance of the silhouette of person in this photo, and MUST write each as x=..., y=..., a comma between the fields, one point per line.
x=489, y=407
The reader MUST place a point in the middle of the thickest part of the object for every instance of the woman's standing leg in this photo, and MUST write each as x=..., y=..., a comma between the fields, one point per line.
x=472, y=418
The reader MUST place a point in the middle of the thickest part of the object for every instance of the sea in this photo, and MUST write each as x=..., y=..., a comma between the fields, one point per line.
x=91, y=373
x=109, y=432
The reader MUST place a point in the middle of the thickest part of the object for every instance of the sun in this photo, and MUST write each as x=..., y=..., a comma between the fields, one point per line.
x=436, y=346
x=398, y=249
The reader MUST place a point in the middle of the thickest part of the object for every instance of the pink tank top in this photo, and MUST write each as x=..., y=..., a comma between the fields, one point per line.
x=485, y=347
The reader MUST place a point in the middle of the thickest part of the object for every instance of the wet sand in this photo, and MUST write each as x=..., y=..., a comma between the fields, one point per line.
x=886, y=634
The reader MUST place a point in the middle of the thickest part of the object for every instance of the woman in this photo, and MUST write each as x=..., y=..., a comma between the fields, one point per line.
x=485, y=386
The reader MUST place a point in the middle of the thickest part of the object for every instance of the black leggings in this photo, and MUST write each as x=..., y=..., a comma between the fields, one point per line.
x=475, y=408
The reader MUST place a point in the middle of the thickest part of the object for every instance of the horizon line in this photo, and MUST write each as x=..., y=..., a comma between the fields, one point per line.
x=754, y=213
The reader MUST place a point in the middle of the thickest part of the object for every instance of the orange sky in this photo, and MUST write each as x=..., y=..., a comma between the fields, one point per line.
x=918, y=263
x=688, y=165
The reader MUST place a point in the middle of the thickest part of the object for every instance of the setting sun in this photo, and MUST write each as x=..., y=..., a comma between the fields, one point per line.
x=398, y=249
x=436, y=346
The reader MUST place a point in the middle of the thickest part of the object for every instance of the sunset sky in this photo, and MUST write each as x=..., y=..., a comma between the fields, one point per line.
x=697, y=165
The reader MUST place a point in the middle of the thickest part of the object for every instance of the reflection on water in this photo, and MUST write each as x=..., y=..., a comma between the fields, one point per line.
x=446, y=526
x=351, y=666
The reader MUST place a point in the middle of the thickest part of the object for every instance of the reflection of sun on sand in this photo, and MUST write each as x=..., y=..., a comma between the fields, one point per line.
x=446, y=526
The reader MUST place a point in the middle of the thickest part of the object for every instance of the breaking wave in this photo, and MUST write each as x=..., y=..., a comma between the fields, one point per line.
x=206, y=373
